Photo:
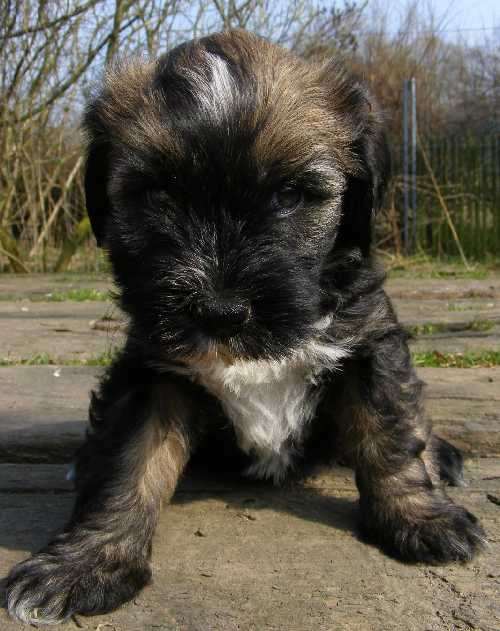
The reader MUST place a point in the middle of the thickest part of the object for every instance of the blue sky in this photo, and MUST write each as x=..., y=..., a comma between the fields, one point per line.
x=468, y=17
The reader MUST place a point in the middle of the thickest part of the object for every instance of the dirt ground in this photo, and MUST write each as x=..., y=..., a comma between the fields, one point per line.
x=236, y=555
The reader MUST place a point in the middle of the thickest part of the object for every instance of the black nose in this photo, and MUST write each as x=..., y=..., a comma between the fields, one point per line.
x=219, y=316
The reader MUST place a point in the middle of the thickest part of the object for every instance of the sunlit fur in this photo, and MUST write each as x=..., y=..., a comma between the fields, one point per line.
x=188, y=157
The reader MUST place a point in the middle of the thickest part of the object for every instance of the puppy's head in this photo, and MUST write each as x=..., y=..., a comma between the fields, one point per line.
x=222, y=179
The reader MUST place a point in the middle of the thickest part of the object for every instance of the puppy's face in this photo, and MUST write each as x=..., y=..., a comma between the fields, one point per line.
x=223, y=179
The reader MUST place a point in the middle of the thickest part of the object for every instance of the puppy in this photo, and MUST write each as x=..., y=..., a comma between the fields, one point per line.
x=233, y=186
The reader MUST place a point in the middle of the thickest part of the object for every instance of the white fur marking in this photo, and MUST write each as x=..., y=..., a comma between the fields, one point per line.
x=269, y=402
x=215, y=90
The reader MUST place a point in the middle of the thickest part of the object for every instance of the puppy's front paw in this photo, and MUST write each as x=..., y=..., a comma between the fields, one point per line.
x=450, y=534
x=49, y=588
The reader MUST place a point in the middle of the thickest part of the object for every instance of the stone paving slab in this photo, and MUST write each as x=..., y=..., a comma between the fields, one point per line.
x=464, y=406
x=457, y=342
x=267, y=558
x=78, y=331
x=59, y=330
x=420, y=311
x=68, y=330
x=37, y=286
x=20, y=310
x=482, y=475
x=43, y=409
x=279, y=559
x=34, y=478
x=448, y=289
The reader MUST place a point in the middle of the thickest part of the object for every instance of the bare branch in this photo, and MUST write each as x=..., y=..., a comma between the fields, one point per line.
x=53, y=23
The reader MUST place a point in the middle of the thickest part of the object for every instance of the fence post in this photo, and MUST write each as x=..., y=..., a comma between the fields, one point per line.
x=414, y=163
x=405, y=168
x=409, y=120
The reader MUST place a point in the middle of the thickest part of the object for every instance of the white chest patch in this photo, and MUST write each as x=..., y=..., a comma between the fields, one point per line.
x=270, y=402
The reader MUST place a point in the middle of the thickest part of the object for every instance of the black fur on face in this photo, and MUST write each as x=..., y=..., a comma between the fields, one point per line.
x=222, y=179
x=233, y=186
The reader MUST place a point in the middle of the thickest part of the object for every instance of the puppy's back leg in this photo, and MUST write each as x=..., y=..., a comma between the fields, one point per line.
x=384, y=435
x=451, y=462
x=133, y=457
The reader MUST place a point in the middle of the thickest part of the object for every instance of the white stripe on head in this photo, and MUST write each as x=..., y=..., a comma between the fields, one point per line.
x=215, y=87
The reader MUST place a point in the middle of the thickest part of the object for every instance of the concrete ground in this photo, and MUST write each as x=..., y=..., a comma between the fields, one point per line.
x=235, y=555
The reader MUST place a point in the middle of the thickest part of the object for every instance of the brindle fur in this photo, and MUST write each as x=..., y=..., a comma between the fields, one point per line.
x=224, y=142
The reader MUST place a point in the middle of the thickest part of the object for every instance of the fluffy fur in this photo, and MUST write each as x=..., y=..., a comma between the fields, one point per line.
x=234, y=186
x=270, y=402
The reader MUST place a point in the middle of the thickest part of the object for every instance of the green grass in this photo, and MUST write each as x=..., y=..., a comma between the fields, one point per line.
x=422, y=267
x=72, y=277
x=430, y=328
x=429, y=359
x=44, y=359
x=481, y=325
x=475, y=306
x=470, y=359
x=74, y=295
x=77, y=295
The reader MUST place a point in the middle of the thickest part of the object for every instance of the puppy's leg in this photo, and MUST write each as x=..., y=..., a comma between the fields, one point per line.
x=138, y=446
x=403, y=504
x=451, y=462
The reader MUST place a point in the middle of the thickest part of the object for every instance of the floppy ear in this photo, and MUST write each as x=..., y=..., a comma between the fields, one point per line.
x=366, y=187
x=123, y=95
x=369, y=158
x=97, y=174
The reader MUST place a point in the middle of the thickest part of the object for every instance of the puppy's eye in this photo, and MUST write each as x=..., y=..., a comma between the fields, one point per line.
x=287, y=200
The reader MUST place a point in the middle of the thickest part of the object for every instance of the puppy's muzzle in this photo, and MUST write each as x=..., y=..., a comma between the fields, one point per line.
x=222, y=316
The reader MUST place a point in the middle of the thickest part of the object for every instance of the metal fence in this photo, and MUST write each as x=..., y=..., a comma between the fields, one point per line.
x=457, y=196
